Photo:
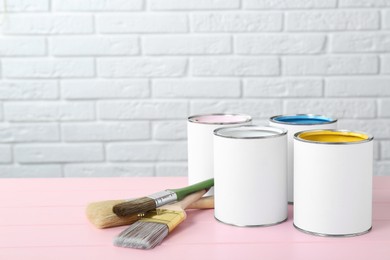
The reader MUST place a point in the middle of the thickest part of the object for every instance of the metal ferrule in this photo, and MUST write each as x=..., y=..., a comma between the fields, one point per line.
x=163, y=197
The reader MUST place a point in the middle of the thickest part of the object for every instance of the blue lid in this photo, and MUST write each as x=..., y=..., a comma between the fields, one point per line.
x=302, y=119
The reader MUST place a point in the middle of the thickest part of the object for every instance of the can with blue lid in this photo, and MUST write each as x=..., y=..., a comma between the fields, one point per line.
x=293, y=124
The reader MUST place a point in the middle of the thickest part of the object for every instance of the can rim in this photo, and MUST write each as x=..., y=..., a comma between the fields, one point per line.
x=193, y=117
x=245, y=226
x=278, y=131
x=332, y=235
x=369, y=136
x=273, y=119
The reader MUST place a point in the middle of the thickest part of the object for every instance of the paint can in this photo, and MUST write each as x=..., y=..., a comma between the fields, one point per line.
x=250, y=175
x=333, y=182
x=294, y=124
x=200, y=143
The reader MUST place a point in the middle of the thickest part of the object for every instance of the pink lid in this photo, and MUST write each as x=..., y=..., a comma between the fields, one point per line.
x=220, y=119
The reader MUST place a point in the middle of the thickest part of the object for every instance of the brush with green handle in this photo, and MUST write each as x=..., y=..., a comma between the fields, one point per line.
x=153, y=201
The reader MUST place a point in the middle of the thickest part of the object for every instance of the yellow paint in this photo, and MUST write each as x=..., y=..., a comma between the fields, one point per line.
x=333, y=136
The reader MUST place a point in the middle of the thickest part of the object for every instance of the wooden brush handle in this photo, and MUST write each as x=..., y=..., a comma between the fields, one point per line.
x=203, y=203
x=184, y=203
x=184, y=192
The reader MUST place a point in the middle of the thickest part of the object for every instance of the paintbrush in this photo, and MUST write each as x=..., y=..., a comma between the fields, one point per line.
x=145, y=204
x=101, y=216
x=155, y=225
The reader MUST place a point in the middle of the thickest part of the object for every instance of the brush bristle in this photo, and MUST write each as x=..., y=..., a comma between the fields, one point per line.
x=142, y=235
x=136, y=206
x=100, y=214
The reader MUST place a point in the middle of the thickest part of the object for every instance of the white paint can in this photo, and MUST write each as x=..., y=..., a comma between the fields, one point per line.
x=200, y=143
x=333, y=182
x=294, y=124
x=250, y=175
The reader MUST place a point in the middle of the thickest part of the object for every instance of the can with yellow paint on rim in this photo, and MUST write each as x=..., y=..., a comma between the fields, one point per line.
x=333, y=182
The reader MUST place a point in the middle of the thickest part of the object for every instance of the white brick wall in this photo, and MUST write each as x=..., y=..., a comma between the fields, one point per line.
x=103, y=87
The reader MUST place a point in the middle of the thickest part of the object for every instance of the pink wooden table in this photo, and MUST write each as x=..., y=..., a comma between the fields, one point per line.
x=44, y=219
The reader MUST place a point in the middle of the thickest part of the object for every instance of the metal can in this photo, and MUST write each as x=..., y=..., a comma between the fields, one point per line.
x=200, y=142
x=250, y=175
x=333, y=182
x=294, y=124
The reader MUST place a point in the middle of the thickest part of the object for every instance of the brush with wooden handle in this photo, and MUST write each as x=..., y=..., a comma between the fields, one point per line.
x=153, y=201
x=155, y=225
x=101, y=216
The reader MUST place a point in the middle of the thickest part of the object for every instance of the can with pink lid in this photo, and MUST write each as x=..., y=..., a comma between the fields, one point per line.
x=200, y=130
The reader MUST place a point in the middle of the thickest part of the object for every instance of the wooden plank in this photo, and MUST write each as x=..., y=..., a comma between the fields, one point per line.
x=62, y=198
x=188, y=233
x=275, y=251
x=93, y=184
x=32, y=216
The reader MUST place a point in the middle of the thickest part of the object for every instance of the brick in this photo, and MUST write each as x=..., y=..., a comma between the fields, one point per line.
x=191, y=5
x=376, y=149
x=196, y=88
x=37, y=24
x=171, y=169
x=24, y=5
x=143, y=109
x=49, y=111
x=94, y=46
x=332, y=20
x=48, y=68
x=169, y=130
x=386, y=19
x=237, y=22
x=141, y=67
x=384, y=108
x=30, y=171
x=290, y=4
x=22, y=46
x=58, y=153
x=176, y=151
x=357, y=87
x=178, y=45
x=5, y=153
x=104, y=89
x=255, y=108
x=108, y=170
x=235, y=66
x=385, y=149
x=28, y=89
x=364, y=3
x=107, y=131
x=385, y=64
x=1, y=111
x=142, y=23
x=382, y=168
x=282, y=87
x=280, y=44
x=97, y=5
x=360, y=42
x=339, y=108
x=330, y=65
x=378, y=127
x=17, y=133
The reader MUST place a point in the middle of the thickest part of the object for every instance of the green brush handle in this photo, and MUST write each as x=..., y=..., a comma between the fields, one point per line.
x=183, y=192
